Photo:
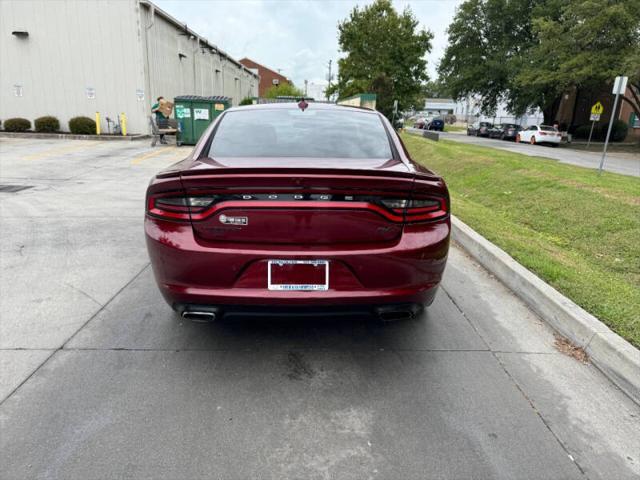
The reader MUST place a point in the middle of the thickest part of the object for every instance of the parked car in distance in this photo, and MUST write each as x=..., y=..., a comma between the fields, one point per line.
x=420, y=123
x=303, y=207
x=436, y=124
x=504, y=131
x=479, y=129
x=540, y=134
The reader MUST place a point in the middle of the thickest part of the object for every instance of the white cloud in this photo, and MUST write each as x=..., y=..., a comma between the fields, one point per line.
x=298, y=37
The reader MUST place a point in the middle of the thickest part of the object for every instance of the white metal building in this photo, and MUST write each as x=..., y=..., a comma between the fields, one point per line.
x=68, y=58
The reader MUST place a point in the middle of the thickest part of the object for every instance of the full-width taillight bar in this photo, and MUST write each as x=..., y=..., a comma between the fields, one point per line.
x=196, y=208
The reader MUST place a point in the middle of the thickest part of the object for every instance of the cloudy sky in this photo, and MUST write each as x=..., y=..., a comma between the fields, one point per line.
x=297, y=36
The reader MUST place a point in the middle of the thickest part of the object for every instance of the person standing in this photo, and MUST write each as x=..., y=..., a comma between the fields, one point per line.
x=161, y=118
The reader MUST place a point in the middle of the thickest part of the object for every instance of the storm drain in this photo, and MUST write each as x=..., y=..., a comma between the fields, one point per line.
x=13, y=188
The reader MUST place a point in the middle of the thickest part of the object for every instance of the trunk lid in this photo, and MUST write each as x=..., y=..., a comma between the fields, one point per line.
x=293, y=206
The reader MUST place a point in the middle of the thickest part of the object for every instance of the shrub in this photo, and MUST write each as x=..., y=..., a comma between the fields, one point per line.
x=582, y=131
x=246, y=101
x=618, y=131
x=47, y=124
x=16, y=125
x=82, y=126
x=450, y=118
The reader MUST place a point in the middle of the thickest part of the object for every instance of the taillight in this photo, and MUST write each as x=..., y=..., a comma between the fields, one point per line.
x=177, y=207
x=417, y=209
x=543, y=133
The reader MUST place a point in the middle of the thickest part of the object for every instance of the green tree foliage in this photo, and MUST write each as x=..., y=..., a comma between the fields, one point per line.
x=528, y=52
x=586, y=45
x=435, y=89
x=487, y=40
x=283, y=90
x=385, y=54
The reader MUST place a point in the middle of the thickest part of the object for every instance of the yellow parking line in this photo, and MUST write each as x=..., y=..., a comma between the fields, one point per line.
x=61, y=150
x=153, y=153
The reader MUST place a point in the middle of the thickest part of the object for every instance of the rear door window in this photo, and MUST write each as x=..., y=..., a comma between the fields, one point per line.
x=296, y=133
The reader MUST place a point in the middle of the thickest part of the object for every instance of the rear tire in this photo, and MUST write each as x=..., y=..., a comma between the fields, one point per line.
x=518, y=138
x=533, y=140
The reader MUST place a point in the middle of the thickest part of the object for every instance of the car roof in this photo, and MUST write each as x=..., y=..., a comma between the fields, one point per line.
x=294, y=105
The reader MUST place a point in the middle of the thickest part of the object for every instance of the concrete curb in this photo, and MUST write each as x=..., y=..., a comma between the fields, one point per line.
x=428, y=134
x=72, y=136
x=613, y=355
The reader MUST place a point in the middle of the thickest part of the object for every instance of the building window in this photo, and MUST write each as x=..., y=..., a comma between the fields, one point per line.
x=634, y=121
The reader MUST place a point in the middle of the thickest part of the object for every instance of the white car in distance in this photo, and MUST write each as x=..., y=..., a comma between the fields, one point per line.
x=540, y=134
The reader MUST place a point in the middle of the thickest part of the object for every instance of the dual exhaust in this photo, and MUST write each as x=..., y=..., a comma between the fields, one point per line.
x=387, y=313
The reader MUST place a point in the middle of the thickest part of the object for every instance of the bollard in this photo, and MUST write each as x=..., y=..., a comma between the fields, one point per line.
x=123, y=124
x=97, y=123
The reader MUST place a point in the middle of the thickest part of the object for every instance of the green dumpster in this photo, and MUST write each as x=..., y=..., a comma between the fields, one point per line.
x=195, y=113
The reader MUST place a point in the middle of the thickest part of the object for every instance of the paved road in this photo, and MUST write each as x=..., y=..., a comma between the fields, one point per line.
x=623, y=163
x=100, y=380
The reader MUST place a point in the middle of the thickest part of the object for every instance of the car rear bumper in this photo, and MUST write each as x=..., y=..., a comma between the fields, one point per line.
x=189, y=271
x=548, y=139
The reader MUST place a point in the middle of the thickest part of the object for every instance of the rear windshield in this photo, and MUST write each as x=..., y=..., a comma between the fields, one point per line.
x=546, y=128
x=297, y=133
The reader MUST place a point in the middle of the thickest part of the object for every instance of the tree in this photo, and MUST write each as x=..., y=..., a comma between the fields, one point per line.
x=529, y=52
x=283, y=90
x=586, y=46
x=435, y=89
x=487, y=39
x=385, y=55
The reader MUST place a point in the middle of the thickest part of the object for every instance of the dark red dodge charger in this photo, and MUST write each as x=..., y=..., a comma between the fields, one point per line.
x=300, y=208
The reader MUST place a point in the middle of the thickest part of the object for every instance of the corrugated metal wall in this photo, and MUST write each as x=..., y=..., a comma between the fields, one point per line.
x=86, y=56
x=72, y=46
x=201, y=70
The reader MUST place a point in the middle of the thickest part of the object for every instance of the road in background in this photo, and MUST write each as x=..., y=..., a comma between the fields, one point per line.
x=100, y=378
x=623, y=163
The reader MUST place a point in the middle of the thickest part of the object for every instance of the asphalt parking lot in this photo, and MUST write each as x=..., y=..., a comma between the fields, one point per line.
x=99, y=379
x=623, y=163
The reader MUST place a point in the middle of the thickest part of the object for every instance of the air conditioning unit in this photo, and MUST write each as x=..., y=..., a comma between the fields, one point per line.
x=276, y=81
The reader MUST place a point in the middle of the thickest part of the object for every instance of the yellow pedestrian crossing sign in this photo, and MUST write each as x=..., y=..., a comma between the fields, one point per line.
x=597, y=109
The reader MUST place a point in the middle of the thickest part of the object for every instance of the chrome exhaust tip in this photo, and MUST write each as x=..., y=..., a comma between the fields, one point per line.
x=199, y=317
x=394, y=313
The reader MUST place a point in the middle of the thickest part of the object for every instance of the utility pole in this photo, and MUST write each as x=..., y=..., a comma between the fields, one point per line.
x=329, y=78
x=305, y=87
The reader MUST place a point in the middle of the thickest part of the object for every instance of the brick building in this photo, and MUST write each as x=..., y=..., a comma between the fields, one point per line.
x=575, y=109
x=268, y=77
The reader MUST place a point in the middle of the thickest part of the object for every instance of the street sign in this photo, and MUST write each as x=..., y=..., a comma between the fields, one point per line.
x=595, y=117
x=620, y=85
x=597, y=109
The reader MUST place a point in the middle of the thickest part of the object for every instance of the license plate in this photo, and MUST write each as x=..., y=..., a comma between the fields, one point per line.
x=294, y=275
